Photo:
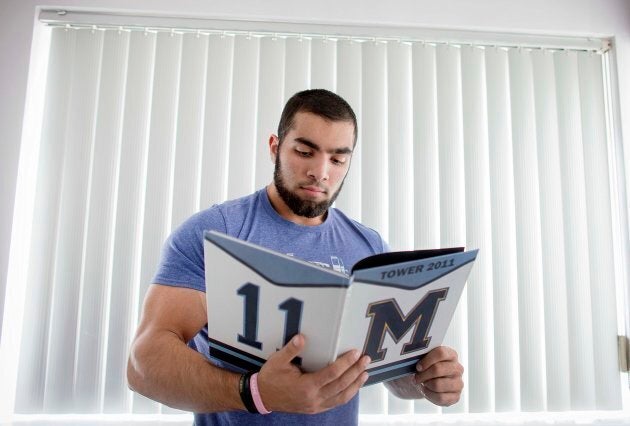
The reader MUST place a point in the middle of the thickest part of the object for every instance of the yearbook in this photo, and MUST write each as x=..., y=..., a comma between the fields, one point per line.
x=394, y=307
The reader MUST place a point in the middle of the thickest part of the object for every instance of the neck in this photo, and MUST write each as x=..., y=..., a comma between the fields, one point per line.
x=283, y=210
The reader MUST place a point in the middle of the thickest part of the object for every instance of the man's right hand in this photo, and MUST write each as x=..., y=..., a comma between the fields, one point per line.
x=283, y=386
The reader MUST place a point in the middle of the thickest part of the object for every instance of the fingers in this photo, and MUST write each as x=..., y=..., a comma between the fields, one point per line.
x=284, y=387
x=440, y=362
x=289, y=351
x=348, y=377
x=347, y=393
x=336, y=369
x=441, y=369
x=340, y=381
x=439, y=354
x=444, y=384
x=443, y=399
x=440, y=376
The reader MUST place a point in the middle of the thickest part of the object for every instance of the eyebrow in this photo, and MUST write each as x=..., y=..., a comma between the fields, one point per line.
x=316, y=147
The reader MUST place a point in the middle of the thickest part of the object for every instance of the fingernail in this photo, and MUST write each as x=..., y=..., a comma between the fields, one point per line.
x=356, y=355
x=295, y=341
x=419, y=367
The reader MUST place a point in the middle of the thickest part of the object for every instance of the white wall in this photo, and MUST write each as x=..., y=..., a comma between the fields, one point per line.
x=561, y=17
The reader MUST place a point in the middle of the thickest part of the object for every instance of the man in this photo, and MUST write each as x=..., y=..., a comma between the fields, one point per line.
x=312, y=152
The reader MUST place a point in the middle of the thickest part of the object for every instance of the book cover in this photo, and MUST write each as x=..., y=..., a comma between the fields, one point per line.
x=395, y=306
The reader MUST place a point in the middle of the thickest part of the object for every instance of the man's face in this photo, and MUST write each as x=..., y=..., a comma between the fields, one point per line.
x=312, y=162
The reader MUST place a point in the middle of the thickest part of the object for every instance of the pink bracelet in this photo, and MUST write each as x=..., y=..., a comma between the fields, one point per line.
x=253, y=385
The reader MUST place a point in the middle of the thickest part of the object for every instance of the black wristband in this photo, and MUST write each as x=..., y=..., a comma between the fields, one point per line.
x=246, y=392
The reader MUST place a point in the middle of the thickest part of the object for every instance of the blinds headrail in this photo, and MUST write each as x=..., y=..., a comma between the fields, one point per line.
x=318, y=30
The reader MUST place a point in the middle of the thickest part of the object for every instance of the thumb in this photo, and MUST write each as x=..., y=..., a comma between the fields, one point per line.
x=291, y=349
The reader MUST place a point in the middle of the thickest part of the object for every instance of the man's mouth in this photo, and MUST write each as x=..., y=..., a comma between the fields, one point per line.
x=313, y=189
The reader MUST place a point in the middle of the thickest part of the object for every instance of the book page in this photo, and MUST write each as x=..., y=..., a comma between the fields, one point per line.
x=258, y=299
x=396, y=313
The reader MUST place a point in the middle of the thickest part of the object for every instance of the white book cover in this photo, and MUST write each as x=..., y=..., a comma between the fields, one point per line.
x=394, y=307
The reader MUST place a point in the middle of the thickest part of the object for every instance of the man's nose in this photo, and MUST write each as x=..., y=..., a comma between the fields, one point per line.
x=318, y=170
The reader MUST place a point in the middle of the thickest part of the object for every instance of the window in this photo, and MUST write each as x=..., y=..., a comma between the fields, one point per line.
x=498, y=145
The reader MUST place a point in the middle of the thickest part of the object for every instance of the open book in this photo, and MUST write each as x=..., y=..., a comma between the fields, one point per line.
x=394, y=307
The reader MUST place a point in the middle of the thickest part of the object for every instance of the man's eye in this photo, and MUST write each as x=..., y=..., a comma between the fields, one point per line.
x=338, y=161
x=304, y=153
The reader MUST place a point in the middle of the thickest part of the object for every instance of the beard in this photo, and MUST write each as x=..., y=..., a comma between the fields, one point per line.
x=298, y=206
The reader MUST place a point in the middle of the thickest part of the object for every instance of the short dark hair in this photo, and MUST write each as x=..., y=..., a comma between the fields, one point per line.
x=320, y=102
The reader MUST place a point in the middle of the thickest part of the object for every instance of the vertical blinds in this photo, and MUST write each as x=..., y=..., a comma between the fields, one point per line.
x=502, y=149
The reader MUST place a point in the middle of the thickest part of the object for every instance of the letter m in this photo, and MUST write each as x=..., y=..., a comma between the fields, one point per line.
x=387, y=317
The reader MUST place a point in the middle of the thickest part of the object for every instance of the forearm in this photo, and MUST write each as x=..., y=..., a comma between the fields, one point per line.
x=166, y=370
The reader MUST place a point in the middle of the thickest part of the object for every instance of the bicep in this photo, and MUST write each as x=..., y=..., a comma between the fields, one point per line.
x=178, y=310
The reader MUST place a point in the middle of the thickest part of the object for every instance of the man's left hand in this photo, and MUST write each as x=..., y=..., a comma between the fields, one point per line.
x=438, y=379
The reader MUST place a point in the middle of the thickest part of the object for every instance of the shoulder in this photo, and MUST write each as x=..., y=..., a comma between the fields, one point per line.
x=182, y=259
x=226, y=217
x=238, y=205
x=371, y=236
x=219, y=217
x=237, y=212
x=193, y=228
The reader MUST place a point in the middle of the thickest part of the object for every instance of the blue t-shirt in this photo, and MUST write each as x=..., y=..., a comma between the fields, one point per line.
x=338, y=243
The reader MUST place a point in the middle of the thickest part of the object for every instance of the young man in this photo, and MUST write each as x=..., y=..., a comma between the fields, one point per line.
x=169, y=360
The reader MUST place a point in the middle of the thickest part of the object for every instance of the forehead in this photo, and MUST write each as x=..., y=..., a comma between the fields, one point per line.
x=322, y=131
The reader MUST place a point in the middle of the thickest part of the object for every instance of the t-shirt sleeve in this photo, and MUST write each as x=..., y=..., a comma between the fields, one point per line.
x=386, y=248
x=182, y=259
x=379, y=245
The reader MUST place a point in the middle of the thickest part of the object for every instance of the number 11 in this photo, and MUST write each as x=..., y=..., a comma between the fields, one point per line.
x=293, y=317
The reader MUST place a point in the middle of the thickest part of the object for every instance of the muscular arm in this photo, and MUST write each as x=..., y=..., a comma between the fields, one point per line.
x=162, y=367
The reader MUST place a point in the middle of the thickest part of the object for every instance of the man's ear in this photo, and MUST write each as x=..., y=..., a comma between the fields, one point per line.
x=274, y=146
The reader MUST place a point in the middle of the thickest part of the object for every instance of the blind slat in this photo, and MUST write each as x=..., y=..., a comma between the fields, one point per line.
x=374, y=169
x=243, y=126
x=478, y=231
x=33, y=351
x=452, y=190
x=270, y=103
x=349, y=83
x=70, y=239
x=426, y=167
x=528, y=238
x=125, y=284
x=189, y=136
x=374, y=160
x=324, y=64
x=554, y=277
x=505, y=292
x=297, y=74
x=400, y=165
x=600, y=238
x=400, y=138
x=92, y=339
x=216, y=137
x=581, y=358
x=158, y=185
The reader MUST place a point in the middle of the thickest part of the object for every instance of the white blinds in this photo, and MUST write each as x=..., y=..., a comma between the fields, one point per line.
x=497, y=148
